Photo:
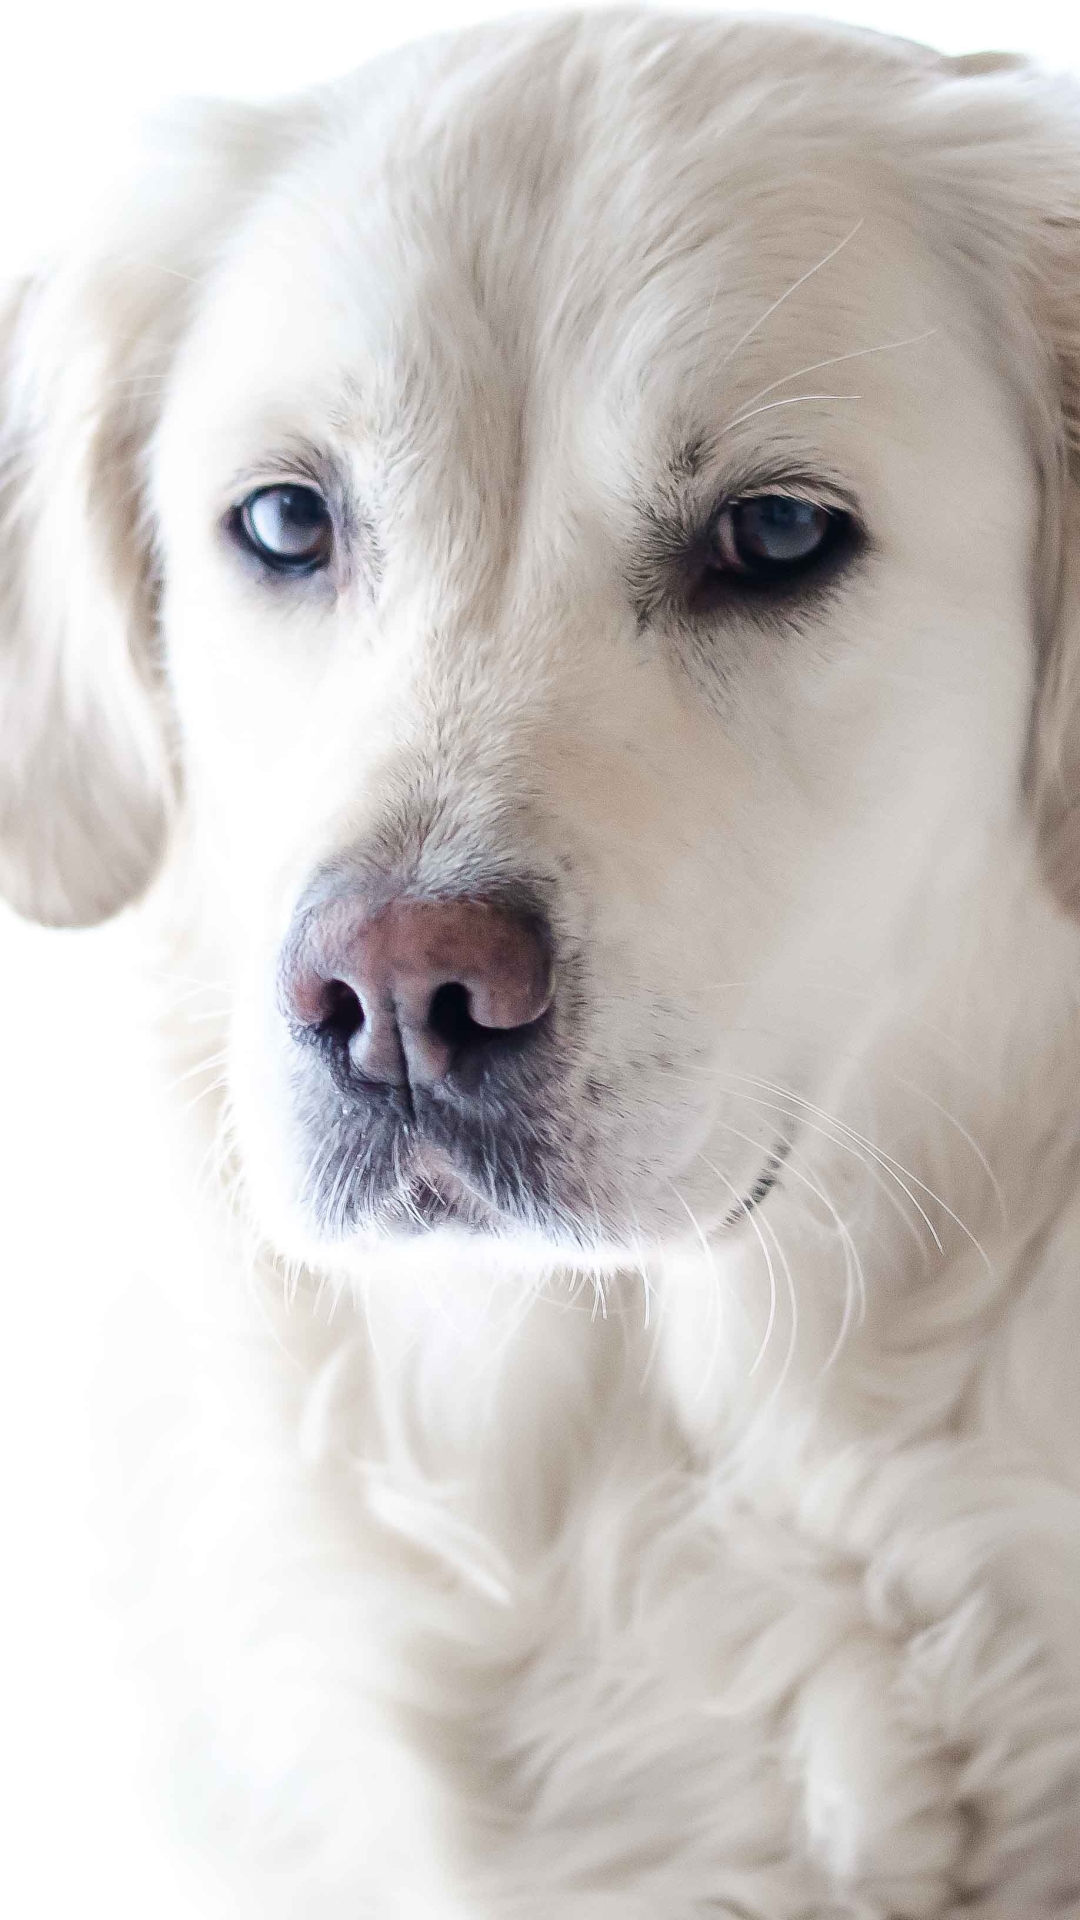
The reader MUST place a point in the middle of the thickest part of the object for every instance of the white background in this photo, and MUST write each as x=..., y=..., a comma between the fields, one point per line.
x=75, y=1837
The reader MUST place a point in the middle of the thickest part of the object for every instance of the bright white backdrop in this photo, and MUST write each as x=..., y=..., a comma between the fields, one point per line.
x=77, y=1837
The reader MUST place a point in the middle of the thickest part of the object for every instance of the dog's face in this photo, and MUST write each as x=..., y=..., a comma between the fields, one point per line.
x=595, y=528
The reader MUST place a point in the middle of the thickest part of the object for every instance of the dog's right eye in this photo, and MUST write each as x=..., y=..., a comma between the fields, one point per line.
x=288, y=527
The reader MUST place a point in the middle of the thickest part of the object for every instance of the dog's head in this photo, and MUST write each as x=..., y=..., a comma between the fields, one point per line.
x=563, y=536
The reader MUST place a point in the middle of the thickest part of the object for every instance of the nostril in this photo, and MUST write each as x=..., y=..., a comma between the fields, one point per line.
x=419, y=992
x=450, y=1018
x=343, y=1015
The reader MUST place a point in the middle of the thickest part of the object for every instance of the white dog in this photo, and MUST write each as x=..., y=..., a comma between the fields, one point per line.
x=560, y=553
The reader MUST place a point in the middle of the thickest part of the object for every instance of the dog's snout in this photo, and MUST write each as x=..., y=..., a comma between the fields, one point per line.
x=420, y=989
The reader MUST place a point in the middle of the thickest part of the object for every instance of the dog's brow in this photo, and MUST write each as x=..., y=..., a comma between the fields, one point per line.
x=687, y=458
x=292, y=458
x=692, y=484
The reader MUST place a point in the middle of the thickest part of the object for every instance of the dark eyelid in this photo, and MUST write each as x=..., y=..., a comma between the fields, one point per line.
x=673, y=533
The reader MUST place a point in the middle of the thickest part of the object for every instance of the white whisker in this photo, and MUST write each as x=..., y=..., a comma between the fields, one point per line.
x=760, y=1228
x=863, y=1150
x=796, y=400
x=786, y=295
x=854, y=1276
x=922, y=1094
x=834, y=360
x=755, y=1225
x=894, y=1166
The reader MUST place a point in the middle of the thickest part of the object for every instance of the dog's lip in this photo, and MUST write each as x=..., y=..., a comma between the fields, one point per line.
x=766, y=1180
x=435, y=1169
x=428, y=1162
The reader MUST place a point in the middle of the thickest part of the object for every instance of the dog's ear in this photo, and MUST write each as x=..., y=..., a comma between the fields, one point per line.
x=1054, y=759
x=1055, y=740
x=998, y=152
x=86, y=775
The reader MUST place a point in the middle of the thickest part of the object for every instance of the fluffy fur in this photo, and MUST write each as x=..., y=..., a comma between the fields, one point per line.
x=662, y=1557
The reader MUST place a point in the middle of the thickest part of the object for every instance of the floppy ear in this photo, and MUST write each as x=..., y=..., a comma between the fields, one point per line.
x=86, y=774
x=1054, y=755
x=999, y=155
x=1055, y=744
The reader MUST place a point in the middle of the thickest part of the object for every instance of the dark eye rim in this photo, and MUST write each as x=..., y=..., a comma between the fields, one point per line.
x=762, y=570
x=244, y=534
x=709, y=586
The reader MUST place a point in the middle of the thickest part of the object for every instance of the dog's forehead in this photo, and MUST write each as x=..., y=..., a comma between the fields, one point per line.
x=480, y=236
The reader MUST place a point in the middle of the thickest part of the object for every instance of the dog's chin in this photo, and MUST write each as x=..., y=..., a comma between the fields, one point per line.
x=433, y=1194
x=430, y=1195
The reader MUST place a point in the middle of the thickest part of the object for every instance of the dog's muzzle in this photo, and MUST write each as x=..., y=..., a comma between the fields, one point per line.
x=426, y=1056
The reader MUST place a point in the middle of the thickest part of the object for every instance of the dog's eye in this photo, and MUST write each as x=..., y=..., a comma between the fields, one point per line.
x=288, y=527
x=770, y=538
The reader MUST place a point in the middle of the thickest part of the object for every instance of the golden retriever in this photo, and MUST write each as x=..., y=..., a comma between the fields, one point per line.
x=552, y=566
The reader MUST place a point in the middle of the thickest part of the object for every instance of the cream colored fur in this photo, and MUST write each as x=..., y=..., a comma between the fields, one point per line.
x=658, y=1568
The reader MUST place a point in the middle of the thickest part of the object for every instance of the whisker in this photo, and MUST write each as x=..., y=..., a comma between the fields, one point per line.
x=207, y=1065
x=834, y=1128
x=854, y=1276
x=795, y=400
x=875, y=1172
x=758, y=1224
x=980, y=1156
x=835, y=360
x=205, y=1093
x=794, y=288
x=895, y=1167
x=755, y=1225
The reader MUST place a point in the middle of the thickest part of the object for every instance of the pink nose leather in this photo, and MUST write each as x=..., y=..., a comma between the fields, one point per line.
x=397, y=962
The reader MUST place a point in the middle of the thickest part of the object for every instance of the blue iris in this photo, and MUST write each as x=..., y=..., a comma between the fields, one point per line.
x=778, y=528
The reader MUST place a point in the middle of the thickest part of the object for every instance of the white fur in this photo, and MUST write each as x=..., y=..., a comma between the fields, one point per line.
x=663, y=1568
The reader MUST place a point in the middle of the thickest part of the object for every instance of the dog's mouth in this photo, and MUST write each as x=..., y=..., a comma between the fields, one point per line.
x=398, y=1173
x=497, y=1129
x=763, y=1185
x=426, y=1185
x=494, y=1167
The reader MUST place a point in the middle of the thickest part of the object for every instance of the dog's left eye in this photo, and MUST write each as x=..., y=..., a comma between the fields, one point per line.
x=770, y=537
x=288, y=527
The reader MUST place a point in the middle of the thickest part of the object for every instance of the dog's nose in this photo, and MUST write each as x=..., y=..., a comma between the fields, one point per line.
x=420, y=988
